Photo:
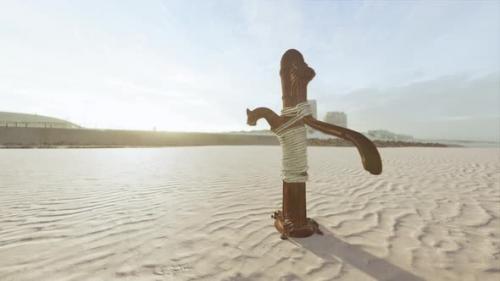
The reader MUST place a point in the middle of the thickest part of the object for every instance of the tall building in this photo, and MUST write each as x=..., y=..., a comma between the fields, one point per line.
x=338, y=118
x=314, y=110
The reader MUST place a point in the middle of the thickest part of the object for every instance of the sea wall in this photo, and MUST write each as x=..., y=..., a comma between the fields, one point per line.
x=36, y=137
x=60, y=137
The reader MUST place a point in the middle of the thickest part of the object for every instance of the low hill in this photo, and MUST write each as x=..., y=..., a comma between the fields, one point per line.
x=13, y=119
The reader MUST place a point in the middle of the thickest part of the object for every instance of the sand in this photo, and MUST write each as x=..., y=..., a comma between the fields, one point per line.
x=203, y=213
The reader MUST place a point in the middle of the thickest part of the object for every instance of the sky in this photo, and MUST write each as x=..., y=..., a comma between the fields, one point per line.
x=430, y=69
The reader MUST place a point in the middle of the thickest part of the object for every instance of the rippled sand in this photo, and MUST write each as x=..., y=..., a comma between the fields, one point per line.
x=203, y=213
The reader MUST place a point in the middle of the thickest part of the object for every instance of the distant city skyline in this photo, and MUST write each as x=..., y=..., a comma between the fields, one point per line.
x=430, y=69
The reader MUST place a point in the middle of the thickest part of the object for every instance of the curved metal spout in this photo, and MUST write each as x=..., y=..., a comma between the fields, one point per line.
x=273, y=119
x=369, y=154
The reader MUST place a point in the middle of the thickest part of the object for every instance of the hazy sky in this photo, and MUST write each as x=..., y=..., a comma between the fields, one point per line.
x=426, y=68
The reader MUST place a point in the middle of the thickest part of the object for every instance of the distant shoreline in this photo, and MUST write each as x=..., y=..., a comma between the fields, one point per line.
x=377, y=144
x=58, y=138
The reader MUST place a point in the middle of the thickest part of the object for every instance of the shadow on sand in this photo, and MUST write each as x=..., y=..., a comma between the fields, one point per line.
x=331, y=248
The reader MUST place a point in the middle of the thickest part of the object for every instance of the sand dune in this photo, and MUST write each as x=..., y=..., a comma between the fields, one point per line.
x=203, y=213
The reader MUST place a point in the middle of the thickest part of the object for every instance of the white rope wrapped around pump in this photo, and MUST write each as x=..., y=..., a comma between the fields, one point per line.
x=294, y=144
